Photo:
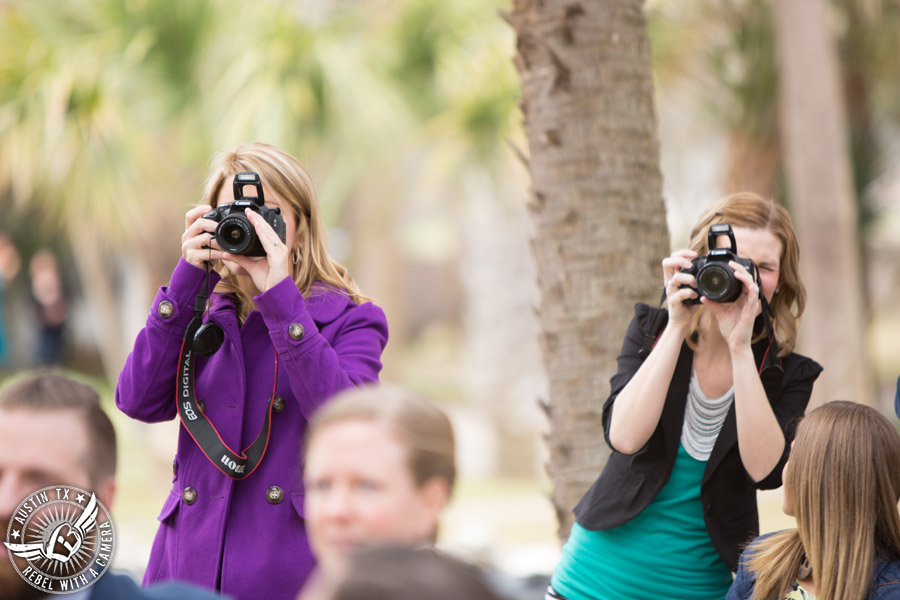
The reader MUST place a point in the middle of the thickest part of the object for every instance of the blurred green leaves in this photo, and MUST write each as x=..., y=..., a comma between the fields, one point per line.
x=111, y=107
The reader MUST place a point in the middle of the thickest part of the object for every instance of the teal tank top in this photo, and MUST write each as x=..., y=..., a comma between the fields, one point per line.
x=663, y=553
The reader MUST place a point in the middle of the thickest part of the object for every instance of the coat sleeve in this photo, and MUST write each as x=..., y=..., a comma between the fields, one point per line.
x=789, y=409
x=146, y=388
x=630, y=359
x=319, y=367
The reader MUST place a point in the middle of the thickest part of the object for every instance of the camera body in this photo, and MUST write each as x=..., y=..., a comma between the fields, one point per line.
x=235, y=233
x=715, y=277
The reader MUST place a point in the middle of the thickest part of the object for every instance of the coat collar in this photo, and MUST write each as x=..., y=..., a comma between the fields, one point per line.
x=326, y=303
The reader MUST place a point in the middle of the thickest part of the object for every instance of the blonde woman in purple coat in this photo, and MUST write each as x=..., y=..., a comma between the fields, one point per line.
x=244, y=353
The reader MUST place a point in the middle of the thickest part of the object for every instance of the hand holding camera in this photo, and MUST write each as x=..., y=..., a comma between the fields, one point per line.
x=714, y=274
x=249, y=236
x=235, y=233
x=718, y=276
x=731, y=285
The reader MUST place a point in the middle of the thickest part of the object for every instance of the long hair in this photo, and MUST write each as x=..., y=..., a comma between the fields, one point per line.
x=284, y=175
x=843, y=480
x=750, y=211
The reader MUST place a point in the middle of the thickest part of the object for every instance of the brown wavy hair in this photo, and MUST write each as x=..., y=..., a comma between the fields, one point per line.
x=751, y=211
x=843, y=477
x=284, y=175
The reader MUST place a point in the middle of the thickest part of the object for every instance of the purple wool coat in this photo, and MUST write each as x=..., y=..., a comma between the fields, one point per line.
x=245, y=538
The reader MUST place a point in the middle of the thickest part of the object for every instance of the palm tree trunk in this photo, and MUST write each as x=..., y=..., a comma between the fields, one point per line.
x=596, y=207
x=815, y=141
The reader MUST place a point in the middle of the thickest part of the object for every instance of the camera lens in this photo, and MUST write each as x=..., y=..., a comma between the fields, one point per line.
x=716, y=282
x=235, y=235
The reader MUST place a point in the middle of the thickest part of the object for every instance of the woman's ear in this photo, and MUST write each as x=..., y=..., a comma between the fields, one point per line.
x=434, y=495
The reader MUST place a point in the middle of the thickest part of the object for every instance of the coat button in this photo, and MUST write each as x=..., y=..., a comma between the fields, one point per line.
x=274, y=494
x=710, y=509
x=189, y=495
x=296, y=331
x=278, y=404
x=165, y=309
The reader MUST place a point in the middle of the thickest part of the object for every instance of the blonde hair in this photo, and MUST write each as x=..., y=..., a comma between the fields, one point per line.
x=843, y=477
x=284, y=175
x=751, y=211
x=422, y=427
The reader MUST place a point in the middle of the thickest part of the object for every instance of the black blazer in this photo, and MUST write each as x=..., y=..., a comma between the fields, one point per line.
x=629, y=483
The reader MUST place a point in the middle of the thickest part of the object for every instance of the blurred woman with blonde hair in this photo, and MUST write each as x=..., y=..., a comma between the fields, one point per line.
x=380, y=469
x=257, y=328
x=842, y=485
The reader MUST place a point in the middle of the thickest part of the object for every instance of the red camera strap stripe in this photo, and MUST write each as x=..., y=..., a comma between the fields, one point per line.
x=205, y=434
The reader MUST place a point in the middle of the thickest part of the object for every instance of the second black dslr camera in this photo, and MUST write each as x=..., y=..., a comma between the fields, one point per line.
x=715, y=277
x=235, y=232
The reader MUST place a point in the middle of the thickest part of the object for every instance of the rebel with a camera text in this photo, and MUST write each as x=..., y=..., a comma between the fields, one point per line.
x=701, y=414
x=257, y=328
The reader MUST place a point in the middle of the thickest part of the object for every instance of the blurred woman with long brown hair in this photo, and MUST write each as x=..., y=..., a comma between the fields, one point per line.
x=842, y=485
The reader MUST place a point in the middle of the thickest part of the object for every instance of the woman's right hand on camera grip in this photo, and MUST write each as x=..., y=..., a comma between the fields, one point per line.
x=197, y=242
x=673, y=278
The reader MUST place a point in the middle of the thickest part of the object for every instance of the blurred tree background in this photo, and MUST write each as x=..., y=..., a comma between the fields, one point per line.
x=406, y=114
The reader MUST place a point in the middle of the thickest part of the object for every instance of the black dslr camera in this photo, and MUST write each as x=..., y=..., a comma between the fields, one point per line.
x=235, y=232
x=715, y=277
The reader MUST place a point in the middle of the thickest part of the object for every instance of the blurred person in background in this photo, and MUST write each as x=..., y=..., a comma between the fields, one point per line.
x=51, y=307
x=701, y=414
x=403, y=573
x=380, y=469
x=842, y=485
x=9, y=266
x=244, y=347
x=53, y=431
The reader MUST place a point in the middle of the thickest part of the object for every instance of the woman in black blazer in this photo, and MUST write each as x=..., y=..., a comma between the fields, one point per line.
x=701, y=414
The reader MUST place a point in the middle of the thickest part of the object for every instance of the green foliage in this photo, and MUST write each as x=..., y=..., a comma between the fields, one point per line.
x=109, y=107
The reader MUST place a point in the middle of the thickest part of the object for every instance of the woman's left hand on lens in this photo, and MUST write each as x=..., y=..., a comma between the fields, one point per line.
x=268, y=270
x=736, y=318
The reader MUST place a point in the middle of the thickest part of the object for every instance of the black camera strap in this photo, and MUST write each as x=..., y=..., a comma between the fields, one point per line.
x=204, y=433
x=770, y=359
x=200, y=428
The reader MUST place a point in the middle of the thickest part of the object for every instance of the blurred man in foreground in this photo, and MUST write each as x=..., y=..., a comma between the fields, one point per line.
x=53, y=432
